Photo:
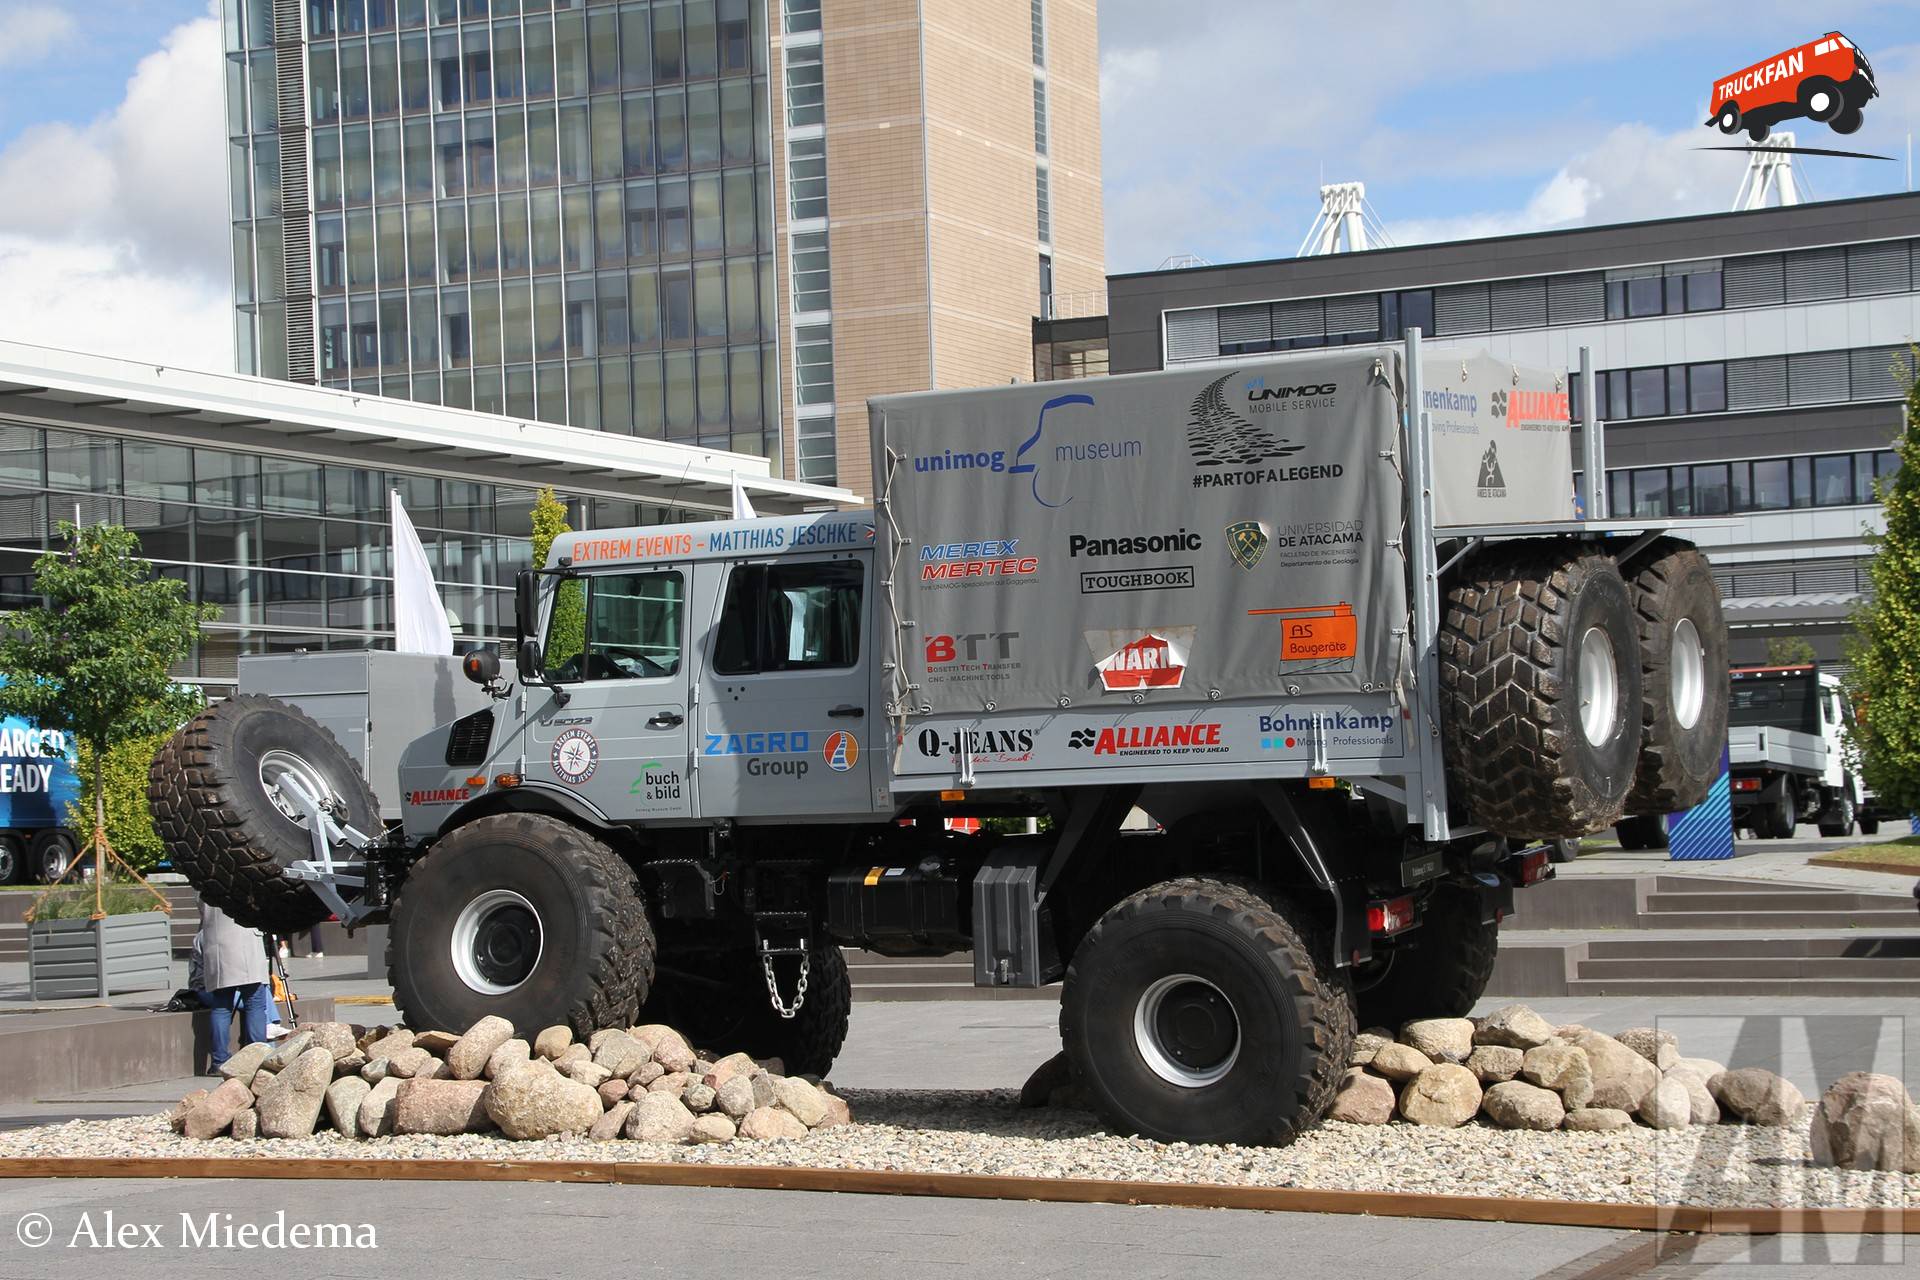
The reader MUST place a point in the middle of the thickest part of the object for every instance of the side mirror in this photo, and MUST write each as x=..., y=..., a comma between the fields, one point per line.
x=481, y=666
x=529, y=661
x=526, y=603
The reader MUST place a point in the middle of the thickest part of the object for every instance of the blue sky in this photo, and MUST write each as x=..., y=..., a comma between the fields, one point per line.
x=1221, y=118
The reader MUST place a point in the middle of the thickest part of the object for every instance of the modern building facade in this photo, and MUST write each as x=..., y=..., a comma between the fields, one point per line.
x=271, y=501
x=715, y=222
x=1751, y=365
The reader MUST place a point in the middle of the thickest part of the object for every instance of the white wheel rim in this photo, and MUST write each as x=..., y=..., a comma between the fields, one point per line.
x=1163, y=1056
x=1599, y=686
x=278, y=766
x=1686, y=674
x=1819, y=102
x=488, y=945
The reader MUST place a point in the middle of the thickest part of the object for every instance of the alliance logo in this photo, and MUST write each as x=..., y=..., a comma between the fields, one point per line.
x=1247, y=541
x=1149, y=740
x=1129, y=661
x=1513, y=409
x=443, y=795
x=1492, y=483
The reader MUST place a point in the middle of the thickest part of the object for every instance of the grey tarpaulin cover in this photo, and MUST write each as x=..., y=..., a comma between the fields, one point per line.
x=1151, y=537
x=1502, y=442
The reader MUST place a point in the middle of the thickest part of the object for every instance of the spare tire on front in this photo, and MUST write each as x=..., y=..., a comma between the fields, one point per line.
x=1540, y=689
x=1683, y=684
x=218, y=806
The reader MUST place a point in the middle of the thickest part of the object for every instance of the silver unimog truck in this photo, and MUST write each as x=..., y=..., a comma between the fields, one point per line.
x=1329, y=621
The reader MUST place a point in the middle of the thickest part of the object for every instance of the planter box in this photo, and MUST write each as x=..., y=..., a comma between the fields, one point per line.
x=72, y=958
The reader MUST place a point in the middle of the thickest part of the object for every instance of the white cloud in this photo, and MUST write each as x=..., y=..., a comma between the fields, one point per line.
x=113, y=234
x=90, y=297
x=30, y=32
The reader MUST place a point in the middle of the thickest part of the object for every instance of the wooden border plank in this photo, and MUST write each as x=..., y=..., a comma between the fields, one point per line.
x=1631, y=1217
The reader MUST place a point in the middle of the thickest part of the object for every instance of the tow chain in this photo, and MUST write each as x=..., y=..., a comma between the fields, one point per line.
x=780, y=1007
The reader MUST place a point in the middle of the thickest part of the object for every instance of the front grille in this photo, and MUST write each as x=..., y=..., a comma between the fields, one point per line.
x=467, y=742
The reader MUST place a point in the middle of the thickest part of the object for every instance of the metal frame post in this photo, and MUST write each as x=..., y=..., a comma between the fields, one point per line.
x=1593, y=449
x=1432, y=802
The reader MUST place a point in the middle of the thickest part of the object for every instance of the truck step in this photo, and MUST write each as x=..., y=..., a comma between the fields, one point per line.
x=1665, y=900
x=1876, y=988
x=1735, y=966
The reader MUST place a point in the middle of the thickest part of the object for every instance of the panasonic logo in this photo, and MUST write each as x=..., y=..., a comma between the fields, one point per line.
x=1138, y=545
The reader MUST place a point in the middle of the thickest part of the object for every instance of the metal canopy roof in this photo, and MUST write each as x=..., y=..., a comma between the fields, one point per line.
x=44, y=386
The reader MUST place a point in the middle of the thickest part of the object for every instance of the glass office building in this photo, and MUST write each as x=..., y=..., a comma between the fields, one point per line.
x=549, y=209
x=294, y=554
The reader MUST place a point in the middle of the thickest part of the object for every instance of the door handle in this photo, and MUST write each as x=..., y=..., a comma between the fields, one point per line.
x=848, y=710
x=666, y=720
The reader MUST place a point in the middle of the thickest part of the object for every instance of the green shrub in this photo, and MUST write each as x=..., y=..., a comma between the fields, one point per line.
x=124, y=786
x=76, y=902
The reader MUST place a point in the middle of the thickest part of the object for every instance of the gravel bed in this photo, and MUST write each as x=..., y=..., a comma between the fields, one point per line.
x=985, y=1132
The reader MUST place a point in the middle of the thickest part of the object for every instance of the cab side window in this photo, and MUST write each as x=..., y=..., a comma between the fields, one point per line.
x=616, y=626
x=790, y=617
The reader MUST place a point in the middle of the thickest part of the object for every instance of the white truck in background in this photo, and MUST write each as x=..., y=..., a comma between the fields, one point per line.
x=1787, y=754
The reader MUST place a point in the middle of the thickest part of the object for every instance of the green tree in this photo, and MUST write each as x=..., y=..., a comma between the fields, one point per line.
x=567, y=629
x=1790, y=651
x=1884, y=653
x=93, y=661
x=124, y=793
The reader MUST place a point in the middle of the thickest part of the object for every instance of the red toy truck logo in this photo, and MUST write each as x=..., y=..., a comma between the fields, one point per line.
x=1827, y=80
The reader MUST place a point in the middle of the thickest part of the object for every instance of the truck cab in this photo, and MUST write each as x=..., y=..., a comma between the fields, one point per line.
x=1787, y=751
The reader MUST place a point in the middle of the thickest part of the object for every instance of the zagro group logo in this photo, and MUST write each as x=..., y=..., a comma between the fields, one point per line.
x=1230, y=450
x=1149, y=740
x=1826, y=80
x=972, y=562
x=1044, y=462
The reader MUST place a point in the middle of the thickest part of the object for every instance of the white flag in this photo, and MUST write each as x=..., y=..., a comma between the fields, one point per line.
x=742, y=509
x=419, y=619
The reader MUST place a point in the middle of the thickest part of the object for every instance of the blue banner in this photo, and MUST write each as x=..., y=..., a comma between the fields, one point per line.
x=1704, y=833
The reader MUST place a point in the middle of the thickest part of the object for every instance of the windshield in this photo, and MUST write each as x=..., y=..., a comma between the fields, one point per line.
x=1787, y=700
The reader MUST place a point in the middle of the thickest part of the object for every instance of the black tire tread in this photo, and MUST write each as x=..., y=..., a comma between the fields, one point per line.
x=809, y=1041
x=1435, y=988
x=1326, y=1005
x=1508, y=723
x=623, y=965
x=188, y=794
x=1658, y=786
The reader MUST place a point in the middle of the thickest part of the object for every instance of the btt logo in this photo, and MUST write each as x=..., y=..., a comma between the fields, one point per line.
x=980, y=646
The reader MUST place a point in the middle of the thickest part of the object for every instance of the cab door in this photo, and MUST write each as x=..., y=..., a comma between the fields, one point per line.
x=616, y=644
x=785, y=725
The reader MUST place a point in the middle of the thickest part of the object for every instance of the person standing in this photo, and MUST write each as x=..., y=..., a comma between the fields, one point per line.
x=228, y=971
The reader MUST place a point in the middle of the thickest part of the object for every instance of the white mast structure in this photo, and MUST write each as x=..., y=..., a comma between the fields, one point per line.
x=1346, y=223
x=1771, y=178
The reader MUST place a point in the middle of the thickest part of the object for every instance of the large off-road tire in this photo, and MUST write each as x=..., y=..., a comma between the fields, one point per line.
x=723, y=1006
x=525, y=917
x=1683, y=684
x=214, y=793
x=1540, y=690
x=1198, y=1011
x=1443, y=974
x=1644, y=831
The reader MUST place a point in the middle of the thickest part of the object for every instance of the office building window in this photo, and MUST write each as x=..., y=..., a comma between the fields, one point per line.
x=813, y=364
x=807, y=178
x=806, y=86
x=812, y=272
x=803, y=15
x=1043, y=203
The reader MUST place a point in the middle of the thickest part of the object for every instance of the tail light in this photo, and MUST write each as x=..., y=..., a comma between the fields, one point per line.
x=1532, y=867
x=1746, y=784
x=1389, y=916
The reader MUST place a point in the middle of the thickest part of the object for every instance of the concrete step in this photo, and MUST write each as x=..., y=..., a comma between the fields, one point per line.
x=1744, y=968
x=1884, y=947
x=1772, y=920
x=1897, y=988
x=1663, y=901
